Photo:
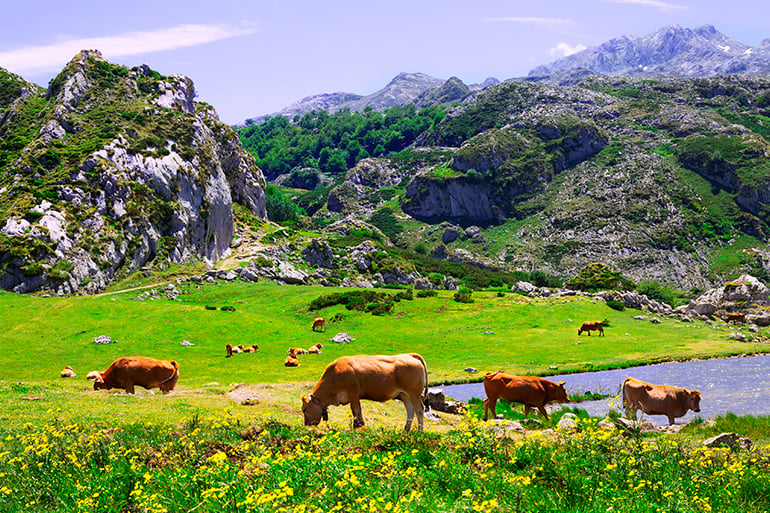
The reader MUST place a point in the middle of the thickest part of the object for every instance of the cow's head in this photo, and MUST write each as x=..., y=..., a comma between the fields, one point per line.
x=559, y=393
x=695, y=400
x=313, y=410
x=97, y=378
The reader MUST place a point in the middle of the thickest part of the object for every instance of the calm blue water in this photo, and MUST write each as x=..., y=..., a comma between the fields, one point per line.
x=737, y=385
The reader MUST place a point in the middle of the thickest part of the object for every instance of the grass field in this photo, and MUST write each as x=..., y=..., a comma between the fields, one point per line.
x=64, y=447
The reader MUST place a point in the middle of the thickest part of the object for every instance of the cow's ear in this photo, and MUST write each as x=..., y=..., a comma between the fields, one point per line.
x=305, y=399
x=560, y=383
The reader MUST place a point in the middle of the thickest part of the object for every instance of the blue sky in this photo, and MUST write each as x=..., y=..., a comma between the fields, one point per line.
x=255, y=57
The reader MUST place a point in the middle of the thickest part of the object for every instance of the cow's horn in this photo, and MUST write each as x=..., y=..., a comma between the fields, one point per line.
x=94, y=376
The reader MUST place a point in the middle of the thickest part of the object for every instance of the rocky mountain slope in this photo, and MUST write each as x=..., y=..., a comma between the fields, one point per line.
x=670, y=51
x=111, y=169
x=662, y=179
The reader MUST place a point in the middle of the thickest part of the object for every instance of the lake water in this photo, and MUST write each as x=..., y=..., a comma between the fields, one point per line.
x=737, y=385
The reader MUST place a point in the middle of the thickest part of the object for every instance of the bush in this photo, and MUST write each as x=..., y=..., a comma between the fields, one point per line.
x=654, y=290
x=427, y=293
x=599, y=276
x=616, y=305
x=463, y=295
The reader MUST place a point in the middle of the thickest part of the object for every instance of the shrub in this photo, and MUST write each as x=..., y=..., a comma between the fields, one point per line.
x=427, y=293
x=616, y=305
x=463, y=295
x=654, y=290
x=599, y=276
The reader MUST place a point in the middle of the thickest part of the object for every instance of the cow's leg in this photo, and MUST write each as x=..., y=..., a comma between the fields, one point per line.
x=526, y=410
x=541, y=408
x=130, y=389
x=671, y=420
x=419, y=409
x=355, y=407
x=409, y=410
x=489, y=405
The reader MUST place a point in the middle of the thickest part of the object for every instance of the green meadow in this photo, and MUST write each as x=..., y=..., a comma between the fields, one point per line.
x=230, y=437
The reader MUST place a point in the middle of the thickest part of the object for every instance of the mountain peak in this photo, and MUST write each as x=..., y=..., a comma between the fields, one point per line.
x=669, y=51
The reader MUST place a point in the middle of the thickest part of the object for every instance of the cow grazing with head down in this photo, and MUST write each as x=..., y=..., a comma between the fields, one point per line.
x=377, y=378
x=67, y=372
x=659, y=399
x=130, y=371
x=531, y=391
x=320, y=323
x=589, y=326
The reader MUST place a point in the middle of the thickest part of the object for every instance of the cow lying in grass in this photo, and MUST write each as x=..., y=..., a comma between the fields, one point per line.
x=130, y=371
x=377, y=378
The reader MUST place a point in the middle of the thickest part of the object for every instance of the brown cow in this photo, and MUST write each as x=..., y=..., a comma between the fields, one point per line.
x=659, y=399
x=315, y=348
x=251, y=349
x=67, y=372
x=736, y=317
x=319, y=322
x=234, y=349
x=589, y=326
x=291, y=361
x=377, y=378
x=294, y=351
x=129, y=371
x=531, y=391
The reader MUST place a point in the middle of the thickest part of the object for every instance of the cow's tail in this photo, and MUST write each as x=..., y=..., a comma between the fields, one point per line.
x=425, y=400
x=173, y=374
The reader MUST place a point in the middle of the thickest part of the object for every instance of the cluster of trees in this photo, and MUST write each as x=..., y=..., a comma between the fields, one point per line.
x=333, y=143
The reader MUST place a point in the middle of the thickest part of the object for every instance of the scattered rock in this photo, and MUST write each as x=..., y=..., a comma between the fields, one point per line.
x=342, y=338
x=568, y=422
x=186, y=343
x=104, y=339
x=655, y=320
x=469, y=369
x=437, y=401
x=740, y=337
x=723, y=439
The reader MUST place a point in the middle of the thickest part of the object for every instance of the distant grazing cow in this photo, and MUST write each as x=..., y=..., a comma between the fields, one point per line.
x=315, y=348
x=659, y=399
x=67, y=372
x=320, y=323
x=129, y=371
x=291, y=361
x=589, y=326
x=377, y=378
x=251, y=349
x=736, y=317
x=531, y=391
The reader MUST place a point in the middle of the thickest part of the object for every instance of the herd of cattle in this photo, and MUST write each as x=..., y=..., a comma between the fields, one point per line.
x=350, y=379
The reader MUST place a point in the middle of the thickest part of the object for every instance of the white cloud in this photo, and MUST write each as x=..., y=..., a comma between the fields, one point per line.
x=658, y=4
x=532, y=20
x=38, y=59
x=565, y=49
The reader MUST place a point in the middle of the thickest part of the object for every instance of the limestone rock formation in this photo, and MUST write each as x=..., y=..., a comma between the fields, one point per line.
x=119, y=169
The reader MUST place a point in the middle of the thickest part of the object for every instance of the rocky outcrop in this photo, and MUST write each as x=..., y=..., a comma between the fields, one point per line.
x=428, y=198
x=136, y=173
x=745, y=295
